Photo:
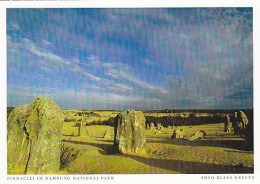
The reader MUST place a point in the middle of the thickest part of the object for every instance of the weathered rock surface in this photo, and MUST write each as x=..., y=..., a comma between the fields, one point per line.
x=178, y=133
x=198, y=135
x=33, y=138
x=239, y=123
x=147, y=126
x=244, y=120
x=228, y=125
x=129, y=136
x=82, y=130
x=18, y=145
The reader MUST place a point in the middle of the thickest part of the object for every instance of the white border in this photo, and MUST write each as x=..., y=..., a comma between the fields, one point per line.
x=138, y=178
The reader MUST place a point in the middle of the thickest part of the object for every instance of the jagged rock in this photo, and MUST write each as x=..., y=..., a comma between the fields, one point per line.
x=239, y=123
x=178, y=133
x=129, y=134
x=33, y=138
x=82, y=130
x=106, y=135
x=152, y=126
x=228, y=125
x=244, y=120
x=198, y=135
x=160, y=126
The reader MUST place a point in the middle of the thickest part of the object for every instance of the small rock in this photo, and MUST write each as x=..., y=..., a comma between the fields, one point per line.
x=198, y=135
x=178, y=133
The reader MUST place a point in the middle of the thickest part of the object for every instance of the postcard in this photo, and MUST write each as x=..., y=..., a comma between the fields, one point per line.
x=94, y=92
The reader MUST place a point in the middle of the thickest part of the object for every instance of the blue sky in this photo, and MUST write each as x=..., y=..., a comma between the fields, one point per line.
x=131, y=58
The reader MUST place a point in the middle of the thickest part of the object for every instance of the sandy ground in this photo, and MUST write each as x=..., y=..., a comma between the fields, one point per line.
x=219, y=152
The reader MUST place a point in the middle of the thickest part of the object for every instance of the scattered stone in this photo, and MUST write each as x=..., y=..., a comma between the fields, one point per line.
x=159, y=125
x=34, y=137
x=198, y=135
x=157, y=132
x=239, y=123
x=178, y=133
x=82, y=129
x=235, y=115
x=228, y=125
x=152, y=127
x=129, y=136
x=244, y=119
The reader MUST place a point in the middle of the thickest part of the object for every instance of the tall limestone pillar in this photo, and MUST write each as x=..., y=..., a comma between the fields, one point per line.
x=129, y=136
x=34, y=137
x=228, y=125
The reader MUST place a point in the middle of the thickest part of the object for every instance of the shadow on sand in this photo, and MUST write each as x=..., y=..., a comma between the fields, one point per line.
x=188, y=167
x=234, y=144
x=104, y=149
x=185, y=167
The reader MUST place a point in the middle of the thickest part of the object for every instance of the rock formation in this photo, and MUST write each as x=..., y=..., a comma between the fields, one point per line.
x=178, y=133
x=239, y=123
x=33, y=138
x=147, y=126
x=152, y=126
x=228, y=125
x=129, y=136
x=244, y=120
x=159, y=125
x=82, y=130
x=198, y=135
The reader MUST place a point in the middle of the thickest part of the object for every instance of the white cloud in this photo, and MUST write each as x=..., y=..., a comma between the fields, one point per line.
x=50, y=59
x=46, y=54
x=83, y=72
x=13, y=26
x=123, y=71
x=46, y=43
